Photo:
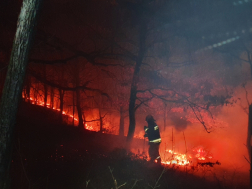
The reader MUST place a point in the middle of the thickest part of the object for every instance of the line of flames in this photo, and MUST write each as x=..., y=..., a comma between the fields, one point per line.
x=185, y=159
x=41, y=103
x=174, y=159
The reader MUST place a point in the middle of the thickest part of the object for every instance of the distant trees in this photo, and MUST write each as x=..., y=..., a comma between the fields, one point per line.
x=146, y=37
x=75, y=77
x=82, y=57
x=125, y=42
x=139, y=35
x=134, y=41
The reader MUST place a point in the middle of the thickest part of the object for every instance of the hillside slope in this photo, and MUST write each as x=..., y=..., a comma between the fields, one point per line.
x=50, y=155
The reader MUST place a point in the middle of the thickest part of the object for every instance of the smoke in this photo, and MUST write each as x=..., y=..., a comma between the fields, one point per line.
x=227, y=144
x=180, y=123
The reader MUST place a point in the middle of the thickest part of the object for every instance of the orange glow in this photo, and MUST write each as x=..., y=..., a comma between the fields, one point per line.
x=140, y=135
x=201, y=154
x=41, y=103
x=91, y=128
x=176, y=159
x=197, y=154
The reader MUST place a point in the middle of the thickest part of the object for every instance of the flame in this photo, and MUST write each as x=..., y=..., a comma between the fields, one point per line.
x=175, y=158
x=201, y=154
x=91, y=126
x=41, y=103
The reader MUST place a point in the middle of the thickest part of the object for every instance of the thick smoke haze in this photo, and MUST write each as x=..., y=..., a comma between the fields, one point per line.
x=228, y=143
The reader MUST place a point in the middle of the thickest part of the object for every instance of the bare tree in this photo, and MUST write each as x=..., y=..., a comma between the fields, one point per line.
x=14, y=82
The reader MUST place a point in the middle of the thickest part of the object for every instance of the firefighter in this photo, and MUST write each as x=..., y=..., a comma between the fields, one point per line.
x=152, y=132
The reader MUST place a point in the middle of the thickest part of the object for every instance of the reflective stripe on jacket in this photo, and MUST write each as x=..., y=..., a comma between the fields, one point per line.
x=156, y=140
x=152, y=132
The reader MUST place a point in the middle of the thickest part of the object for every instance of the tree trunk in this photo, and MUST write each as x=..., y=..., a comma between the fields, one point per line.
x=13, y=84
x=78, y=96
x=35, y=93
x=165, y=112
x=52, y=98
x=101, y=122
x=45, y=95
x=45, y=87
x=79, y=109
x=121, y=128
x=135, y=80
x=73, y=107
x=249, y=141
x=61, y=93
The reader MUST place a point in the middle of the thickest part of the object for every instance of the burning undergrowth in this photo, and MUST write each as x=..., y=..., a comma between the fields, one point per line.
x=170, y=156
x=190, y=147
x=196, y=156
x=70, y=159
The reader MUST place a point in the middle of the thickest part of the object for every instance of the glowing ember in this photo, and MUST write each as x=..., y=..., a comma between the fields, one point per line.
x=91, y=128
x=176, y=158
x=201, y=154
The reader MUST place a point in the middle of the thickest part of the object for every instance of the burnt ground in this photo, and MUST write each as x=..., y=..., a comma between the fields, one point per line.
x=48, y=155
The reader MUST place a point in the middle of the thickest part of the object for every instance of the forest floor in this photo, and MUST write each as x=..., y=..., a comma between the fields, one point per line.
x=47, y=155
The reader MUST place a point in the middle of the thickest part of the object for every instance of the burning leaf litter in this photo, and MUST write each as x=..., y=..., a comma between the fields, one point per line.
x=199, y=154
x=174, y=158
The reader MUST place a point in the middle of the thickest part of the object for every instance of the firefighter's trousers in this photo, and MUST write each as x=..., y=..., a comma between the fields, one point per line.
x=154, y=152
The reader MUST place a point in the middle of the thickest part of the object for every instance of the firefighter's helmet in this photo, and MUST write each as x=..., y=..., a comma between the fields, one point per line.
x=149, y=118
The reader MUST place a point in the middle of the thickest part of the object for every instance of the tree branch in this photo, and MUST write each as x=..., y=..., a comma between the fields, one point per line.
x=82, y=87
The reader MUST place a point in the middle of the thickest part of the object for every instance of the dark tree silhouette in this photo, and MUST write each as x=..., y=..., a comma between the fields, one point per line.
x=14, y=82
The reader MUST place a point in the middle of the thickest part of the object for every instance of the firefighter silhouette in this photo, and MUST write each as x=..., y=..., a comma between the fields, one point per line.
x=153, y=134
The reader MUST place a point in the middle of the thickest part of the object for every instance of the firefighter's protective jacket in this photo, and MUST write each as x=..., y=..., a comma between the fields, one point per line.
x=152, y=132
